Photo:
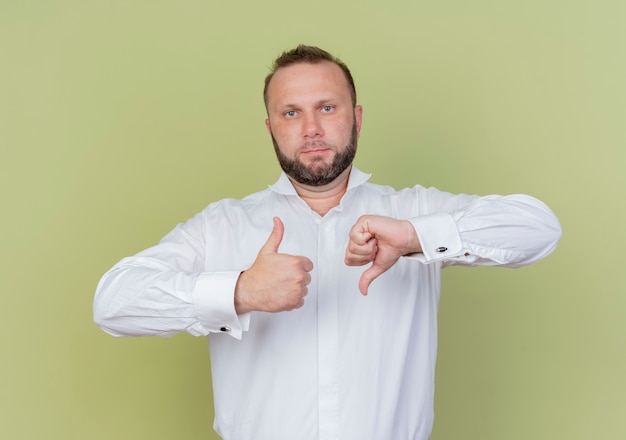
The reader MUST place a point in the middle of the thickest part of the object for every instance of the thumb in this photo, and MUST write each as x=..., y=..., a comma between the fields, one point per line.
x=368, y=276
x=273, y=242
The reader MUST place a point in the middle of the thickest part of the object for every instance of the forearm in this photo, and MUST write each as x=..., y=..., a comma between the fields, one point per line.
x=139, y=297
x=508, y=231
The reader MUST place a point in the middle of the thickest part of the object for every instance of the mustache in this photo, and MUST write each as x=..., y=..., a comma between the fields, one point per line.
x=314, y=144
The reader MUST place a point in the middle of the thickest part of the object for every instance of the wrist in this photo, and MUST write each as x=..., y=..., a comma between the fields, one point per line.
x=413, y=243
x=241, y=304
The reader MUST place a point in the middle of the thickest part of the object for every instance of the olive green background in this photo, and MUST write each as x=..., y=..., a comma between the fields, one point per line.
x=119, y=119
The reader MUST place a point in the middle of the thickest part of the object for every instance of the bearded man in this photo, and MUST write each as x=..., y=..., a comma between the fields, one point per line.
x=305, y=342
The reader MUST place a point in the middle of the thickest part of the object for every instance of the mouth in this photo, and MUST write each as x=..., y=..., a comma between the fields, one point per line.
x=312, y=148
x=315, y=154
x=316, y=151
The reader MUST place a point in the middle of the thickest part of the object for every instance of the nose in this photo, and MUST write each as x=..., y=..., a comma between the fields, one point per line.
x=312, y=126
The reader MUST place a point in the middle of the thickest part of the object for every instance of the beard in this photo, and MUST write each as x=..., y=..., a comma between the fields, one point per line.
x=318, y=173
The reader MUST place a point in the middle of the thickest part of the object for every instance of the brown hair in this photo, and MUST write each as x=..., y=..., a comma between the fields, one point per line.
x=310, y=55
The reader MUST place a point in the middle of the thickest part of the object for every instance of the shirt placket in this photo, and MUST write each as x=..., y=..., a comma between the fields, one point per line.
x=328, y=338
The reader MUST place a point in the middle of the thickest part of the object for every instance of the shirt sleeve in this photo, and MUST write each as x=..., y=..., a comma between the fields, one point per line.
x=164, y=290
x=509, y=231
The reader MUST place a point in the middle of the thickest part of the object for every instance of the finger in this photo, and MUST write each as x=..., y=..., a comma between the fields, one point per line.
x=358, y=236
x=307, y=280
x=368, y=276
x=307, y=265
x=361, y=248
x=359, y=260
x=300, y=304
x=360, y=255
x=275, y=238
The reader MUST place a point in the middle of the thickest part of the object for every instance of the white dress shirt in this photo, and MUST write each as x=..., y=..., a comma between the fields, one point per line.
x=343, y=366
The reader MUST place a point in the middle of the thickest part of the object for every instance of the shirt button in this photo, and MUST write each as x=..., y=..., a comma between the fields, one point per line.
x=224, y=328
x=441, y=249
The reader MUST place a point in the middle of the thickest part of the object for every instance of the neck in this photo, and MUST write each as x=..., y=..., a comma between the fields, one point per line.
x=322, y=199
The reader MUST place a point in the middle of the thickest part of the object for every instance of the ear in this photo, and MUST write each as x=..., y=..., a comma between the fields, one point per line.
x=358, y=117
x=268, y=126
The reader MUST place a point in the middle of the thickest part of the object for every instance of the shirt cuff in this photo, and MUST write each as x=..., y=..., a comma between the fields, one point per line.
x=438, y=235
x=214, y=300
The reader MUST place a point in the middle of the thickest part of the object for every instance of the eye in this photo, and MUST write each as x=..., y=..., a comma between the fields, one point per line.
x=327, y=108
x=290, y=114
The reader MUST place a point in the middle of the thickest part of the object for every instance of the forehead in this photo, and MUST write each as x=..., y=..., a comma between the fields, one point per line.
x=304, y=81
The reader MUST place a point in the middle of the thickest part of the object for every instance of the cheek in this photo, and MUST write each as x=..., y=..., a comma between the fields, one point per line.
x=343, y=126
x=343, y=130
x=279, y=132
x=285, y=138
x=283, y=131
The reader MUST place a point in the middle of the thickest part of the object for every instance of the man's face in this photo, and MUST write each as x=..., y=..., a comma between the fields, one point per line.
x=312, y=122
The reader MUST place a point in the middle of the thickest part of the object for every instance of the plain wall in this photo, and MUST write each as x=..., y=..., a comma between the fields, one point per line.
x=119, y=119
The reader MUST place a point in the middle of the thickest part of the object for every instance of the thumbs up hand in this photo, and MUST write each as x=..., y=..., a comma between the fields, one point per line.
x=275, y=282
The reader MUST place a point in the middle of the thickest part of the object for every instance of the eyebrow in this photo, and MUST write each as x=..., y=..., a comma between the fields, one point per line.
x=318, y=103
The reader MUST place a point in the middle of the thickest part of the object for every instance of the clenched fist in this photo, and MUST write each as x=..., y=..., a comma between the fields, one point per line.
x=275, y=282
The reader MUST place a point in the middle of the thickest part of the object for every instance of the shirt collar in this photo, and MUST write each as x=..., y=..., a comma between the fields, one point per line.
x=285, y=187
